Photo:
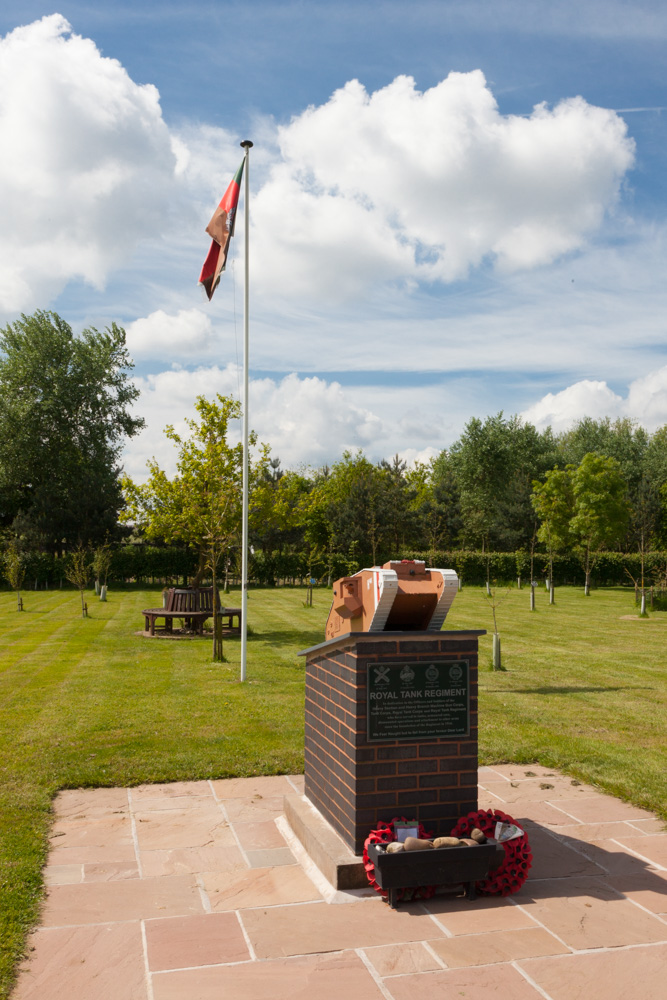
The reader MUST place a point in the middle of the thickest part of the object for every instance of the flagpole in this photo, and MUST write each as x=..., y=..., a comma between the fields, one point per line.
x=247, y=145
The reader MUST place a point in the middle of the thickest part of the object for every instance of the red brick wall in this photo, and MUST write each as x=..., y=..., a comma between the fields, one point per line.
x=354, y=783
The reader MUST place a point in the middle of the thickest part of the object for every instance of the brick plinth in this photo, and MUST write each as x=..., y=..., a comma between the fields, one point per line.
x=354, y=783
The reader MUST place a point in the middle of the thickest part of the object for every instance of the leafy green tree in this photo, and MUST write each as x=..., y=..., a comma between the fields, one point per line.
x=201, y=506
x=77, y=571
x=621, y=439
x=601, y=509
x=553, y=502
x=495, y=463
x=14, y=570
x=65, y=411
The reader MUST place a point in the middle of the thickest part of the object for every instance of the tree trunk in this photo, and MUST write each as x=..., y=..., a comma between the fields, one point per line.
x=532, y=596
x=201, y=570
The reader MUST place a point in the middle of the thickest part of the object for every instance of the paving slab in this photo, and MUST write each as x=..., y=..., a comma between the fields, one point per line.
x=326, y=977
x=631, y=972
x=104, y=962
x=197, y=889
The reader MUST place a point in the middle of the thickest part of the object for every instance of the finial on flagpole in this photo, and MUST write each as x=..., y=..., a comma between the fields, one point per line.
x=246, y=144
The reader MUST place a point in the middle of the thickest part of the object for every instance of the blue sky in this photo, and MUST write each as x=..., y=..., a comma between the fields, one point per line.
x=423, y=250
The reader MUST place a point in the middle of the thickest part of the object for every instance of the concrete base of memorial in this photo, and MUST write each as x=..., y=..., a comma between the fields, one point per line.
x=391, y=730
x=334, y=859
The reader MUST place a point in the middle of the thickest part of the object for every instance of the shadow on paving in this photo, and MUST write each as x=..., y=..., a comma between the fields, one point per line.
x=565, y=866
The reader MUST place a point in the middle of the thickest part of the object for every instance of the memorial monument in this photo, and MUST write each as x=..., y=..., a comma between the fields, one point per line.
x=391, y=705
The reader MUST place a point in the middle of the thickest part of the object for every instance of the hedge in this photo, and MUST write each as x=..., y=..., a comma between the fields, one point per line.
x=173, y=565
x=611, y=569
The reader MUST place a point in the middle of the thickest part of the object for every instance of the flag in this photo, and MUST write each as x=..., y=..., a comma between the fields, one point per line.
x=221, y=228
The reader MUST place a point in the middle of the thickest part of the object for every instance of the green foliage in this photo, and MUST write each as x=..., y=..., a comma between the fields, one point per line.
x=495, y=463
x=601, y=509
x=101, y=563
x=201, y=505
x=65, y=411
x=77, y=571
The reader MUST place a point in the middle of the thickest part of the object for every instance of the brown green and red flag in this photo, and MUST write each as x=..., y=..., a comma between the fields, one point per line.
x=221, y=228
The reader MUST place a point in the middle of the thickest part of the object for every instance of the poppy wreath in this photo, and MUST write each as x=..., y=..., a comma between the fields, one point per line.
x=511, y=875
x=385, y=834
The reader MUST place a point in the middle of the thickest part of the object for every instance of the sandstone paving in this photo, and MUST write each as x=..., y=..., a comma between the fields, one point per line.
x=592, y=832
x=134, y=899
x=172, y=828
x=309, y=928
x=499, y=946
x=203, y=939
x=63, y=874
x=648, y=890
x=554, y=857
x=628, y=973
x=189, y=860
x=110, y=872
x=474, y=983
x=412, y=956
x=258, y=887
x=324, y=977
x=97, y=831
x=172, y=789
x=254, y=810
x=270, y=857
x=104, y=962
x=614, y=858
x=587, y=913
x=250, y=788
x=653, y=825
x=652, y=848
x=597, y=808
x=190, y=890
x=77, y=802
x=486, y=913
x=257, y=836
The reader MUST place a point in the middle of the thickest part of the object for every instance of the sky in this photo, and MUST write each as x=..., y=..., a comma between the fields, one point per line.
x=456, y=209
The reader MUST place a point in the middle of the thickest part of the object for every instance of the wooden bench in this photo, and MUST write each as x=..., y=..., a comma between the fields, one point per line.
x=231, y=621
x=193, y=606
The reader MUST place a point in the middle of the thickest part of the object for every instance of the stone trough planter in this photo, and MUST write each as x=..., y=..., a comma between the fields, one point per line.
x=434, y=866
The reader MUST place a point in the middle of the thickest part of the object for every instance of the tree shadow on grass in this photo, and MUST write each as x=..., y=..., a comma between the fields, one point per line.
x=301, y=638
x=577, y=690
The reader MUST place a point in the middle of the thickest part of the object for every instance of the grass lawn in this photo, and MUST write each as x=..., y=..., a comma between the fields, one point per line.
x=86, y=702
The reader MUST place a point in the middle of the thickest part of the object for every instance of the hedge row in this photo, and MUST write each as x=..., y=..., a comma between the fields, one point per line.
x=612, y=569
x=173, y=565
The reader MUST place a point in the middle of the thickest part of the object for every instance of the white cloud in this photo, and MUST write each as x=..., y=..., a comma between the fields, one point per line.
x=87, y=163
x=646, y=403
x=364, y=191
x=306, y=421
x=188, y=333
x=399, y=184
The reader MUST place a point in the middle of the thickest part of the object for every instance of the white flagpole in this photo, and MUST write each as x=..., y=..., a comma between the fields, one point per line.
x=247, y=145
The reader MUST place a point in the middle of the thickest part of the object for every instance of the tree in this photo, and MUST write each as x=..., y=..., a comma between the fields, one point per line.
x=65, y=410
x=14, y=572
x=495, y=463
x=77, y=571
x=201, y=505
x=553, y=502
x=601, y=508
